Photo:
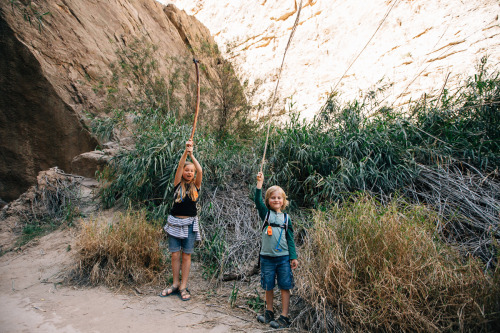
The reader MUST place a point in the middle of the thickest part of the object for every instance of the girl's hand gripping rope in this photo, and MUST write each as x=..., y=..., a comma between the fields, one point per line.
x=189, y=147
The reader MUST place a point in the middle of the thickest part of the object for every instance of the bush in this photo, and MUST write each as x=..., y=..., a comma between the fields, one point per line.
x=121, y=253
x=384, y=269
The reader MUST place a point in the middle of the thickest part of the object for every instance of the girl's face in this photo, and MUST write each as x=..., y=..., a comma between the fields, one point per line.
x=188, y=172
x=276, y=201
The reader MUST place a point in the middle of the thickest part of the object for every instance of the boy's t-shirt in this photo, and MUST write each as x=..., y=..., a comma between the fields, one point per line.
x=270, y=243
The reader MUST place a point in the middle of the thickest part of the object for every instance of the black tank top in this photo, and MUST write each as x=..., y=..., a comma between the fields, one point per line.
x=187, y=207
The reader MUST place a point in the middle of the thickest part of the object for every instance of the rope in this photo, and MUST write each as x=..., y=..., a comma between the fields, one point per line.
x=428, y=64
x=278, y=82
x=197, y=98
x=352, y=63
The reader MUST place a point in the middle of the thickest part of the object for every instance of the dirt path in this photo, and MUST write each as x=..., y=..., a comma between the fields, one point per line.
x=33, y=300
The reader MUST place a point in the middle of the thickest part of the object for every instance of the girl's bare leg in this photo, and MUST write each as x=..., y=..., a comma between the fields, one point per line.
x=186, y=267
x=176, y=267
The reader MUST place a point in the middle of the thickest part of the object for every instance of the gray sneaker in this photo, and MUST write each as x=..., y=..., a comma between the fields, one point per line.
x=281, y=322
x=266, y=318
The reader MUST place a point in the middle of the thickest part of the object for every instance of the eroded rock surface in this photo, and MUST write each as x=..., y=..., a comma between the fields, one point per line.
x=57, y=67
x=415, y=45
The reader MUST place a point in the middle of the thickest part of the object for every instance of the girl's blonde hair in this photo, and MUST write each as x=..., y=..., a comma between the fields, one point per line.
x=186, y=188
x=274, y=189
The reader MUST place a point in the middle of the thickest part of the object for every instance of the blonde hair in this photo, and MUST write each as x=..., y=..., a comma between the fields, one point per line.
x=274, y=189
x=186, y=188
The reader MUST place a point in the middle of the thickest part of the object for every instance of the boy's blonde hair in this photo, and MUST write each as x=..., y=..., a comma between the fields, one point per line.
x=186, y=188
x=274, y=189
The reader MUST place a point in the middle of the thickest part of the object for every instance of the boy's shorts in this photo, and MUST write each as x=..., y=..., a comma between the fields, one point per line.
x=276, y=267
x=186, y=244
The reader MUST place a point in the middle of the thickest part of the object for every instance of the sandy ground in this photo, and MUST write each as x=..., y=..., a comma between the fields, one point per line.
x=33, y=299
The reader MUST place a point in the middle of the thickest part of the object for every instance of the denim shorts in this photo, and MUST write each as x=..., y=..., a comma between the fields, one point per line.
x=276, y=267
x=186, y=244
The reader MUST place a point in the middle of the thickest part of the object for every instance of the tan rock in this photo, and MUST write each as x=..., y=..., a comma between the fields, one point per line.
x=87, y=164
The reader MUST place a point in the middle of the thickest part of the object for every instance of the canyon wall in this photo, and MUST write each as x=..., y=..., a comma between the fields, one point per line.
x=56, y=59
x=405, y=47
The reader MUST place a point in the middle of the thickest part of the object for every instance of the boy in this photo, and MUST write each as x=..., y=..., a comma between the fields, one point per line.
x=277, y=255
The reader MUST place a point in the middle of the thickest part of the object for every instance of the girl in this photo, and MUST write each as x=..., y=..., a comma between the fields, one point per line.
x=182, y=223
x=277, y=253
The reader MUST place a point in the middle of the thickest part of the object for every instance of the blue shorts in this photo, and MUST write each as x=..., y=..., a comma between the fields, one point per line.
x=186, y=244
x=276, y=267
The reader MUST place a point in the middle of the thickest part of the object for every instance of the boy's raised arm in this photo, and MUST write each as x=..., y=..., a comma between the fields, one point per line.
x=260, y=180
x=259, y=203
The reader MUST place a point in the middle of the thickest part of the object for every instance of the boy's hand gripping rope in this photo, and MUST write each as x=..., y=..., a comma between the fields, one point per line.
x=197, y=98
x=277, y=83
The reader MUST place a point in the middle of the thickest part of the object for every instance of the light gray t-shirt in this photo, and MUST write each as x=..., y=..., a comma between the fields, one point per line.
x=269, y=243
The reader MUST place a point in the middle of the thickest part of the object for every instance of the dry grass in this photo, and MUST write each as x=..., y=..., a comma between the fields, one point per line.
x=121, y=253
x=383, y=269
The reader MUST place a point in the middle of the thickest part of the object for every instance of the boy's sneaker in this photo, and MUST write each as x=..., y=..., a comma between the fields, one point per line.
x=266, y=318
x=281, y=322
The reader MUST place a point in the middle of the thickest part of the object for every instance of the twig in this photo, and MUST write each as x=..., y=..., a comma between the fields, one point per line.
x=228, y=314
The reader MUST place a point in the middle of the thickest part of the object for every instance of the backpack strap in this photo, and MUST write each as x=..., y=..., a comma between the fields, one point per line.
x=266, y=220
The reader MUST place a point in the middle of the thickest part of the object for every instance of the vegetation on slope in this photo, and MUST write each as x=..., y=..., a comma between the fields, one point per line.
x=390, y=264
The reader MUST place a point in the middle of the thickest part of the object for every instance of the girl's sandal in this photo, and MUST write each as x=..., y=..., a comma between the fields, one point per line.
x=169, y=291
x=184, y=294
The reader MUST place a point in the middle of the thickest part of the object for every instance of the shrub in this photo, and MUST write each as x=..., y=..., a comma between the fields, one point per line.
x=115, y=254
x=384, y=269
x=53, y=202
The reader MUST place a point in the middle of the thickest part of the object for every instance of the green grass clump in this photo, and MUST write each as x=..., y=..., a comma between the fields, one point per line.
x=385, y=269
x=34, y=229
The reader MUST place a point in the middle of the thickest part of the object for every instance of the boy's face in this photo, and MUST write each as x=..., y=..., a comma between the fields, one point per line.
x=188, y=172
x=276, y=201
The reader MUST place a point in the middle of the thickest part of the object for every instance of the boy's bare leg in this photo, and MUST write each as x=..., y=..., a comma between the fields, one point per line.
x=176, y=267
x=285, y=301
x=269, y=299
x=186, y=267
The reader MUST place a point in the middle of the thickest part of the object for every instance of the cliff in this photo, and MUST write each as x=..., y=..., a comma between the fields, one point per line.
x=56, y=60
x=416, y=47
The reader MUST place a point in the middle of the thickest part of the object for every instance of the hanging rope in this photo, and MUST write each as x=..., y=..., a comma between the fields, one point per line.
x=278, y=82
x=380, y=24
x=197, y=98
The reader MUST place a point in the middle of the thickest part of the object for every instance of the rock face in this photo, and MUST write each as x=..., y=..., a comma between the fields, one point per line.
x=88, y=163
x=55, y=62
x=415, y=44
x=38, y=129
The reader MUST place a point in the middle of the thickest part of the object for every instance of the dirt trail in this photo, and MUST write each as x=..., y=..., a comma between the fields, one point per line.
x=33, y=300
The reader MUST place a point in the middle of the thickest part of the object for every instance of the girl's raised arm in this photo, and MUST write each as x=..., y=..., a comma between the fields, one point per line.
x=199, y=170
x=182, y=161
